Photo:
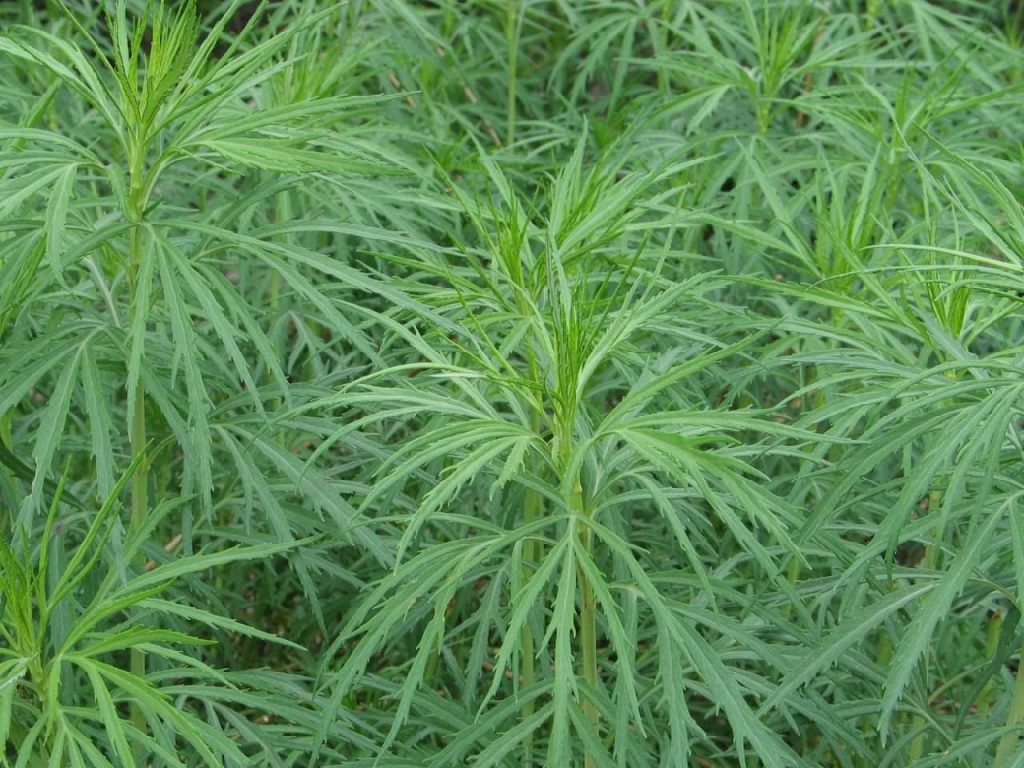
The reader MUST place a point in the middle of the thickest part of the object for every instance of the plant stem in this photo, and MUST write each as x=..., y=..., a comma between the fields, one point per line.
x=1008, y=743
x=532, y=552
x=136, y=206
x=588, y=634
x=659, y=37
x=140, y=500
x=930, y=562
x=6, y=441
x=792, y=576
x=528, y=675
x=533, y=507
x=140, y=505
x=883, y=656
x=995, y=625
x=512, y=40
x=137, y=434
x=587, y=622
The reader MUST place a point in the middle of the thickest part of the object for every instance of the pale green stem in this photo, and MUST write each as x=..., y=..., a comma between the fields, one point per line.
x=140, y=505
x=995, y=626
x=588, y=633
x=533, y=510
x=1008, y=744
x=527, y=672
x=40, y=684
x=929, y=562
x=512, y=41
x=792, y=576
x=588, y=620
x=137, y=435
x=883, y=651
x=284, y=214
x=6, y=439
x=661, y=44
x=136, y=207
x=587, y=626
x=883, y=655
x=140, y=499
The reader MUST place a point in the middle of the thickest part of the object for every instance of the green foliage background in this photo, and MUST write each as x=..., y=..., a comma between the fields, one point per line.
x=521, y=383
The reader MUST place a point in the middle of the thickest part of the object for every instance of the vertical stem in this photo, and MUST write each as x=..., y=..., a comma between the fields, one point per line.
x=588, y=639
x=528, y=675
x=533, y=503
x=512, y=41
x=995, y=626
x=6, y=441
x=140, y=506
x=883, y=656
x=136, y=209
x=930, y=562
x=1008, y=743
x=587, y=621
x=448, y=23
x=283, y=213
x=660, y=40
x=140, y=480
x=792, y=576
x=137, y=433
x=588, y=633
x=883, y=650
x=39, y=682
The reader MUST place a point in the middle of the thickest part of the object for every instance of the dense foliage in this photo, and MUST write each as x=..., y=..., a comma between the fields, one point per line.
x=512, y=383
